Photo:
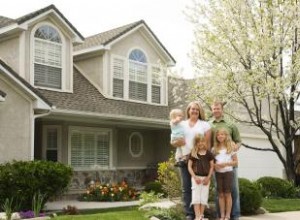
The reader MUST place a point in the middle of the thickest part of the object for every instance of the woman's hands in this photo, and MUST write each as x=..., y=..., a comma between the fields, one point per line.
x=178, y=142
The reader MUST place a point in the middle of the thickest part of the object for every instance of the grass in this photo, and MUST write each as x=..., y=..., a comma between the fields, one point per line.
x=133, y=213
x=125, y=213
x=281, y=205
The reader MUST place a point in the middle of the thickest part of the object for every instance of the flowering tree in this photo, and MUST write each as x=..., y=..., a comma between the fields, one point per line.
x=248, y=51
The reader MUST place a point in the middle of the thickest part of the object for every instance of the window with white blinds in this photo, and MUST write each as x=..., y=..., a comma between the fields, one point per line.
x=47, y=58
x=135, y=79
x=156, y=85
x=118, y=78
x=89, y=148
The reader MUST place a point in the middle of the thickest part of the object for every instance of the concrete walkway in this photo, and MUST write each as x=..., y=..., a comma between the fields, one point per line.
x=59, y=205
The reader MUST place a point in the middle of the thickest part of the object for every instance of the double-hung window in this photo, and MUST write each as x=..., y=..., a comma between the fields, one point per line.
x=134, y=78
x=47, y=57
x=138, y=76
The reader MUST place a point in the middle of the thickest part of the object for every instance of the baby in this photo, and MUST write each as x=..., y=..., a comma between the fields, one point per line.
x=177, y=131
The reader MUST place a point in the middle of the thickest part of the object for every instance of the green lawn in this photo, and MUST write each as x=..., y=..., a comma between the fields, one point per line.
x=129, y=213
x=281, y=205
x=132, y=213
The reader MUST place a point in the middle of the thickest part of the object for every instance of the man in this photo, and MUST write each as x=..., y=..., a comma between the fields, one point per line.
x=217, y=122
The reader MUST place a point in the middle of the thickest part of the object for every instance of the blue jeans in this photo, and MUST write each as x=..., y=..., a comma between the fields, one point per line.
x=236, y=206
x=235, y=193
x=186, y=184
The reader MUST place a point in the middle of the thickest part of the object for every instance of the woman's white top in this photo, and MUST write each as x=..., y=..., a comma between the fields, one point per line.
x=200, y=127
x=224, y=157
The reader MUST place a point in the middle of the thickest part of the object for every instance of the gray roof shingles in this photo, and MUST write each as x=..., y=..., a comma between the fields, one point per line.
x=106, y=37
x=4, y=21
x=87, y=98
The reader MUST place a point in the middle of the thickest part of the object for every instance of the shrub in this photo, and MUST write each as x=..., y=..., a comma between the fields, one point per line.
x=109, y=192
x=154, y=186
x=22, y=179
x=169, y=177
x=250, y=196
x=273, y=187
x=173, y=213
x=150, y=197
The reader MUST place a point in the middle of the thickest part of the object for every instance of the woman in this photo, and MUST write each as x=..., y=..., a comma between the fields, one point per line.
x=194, y=125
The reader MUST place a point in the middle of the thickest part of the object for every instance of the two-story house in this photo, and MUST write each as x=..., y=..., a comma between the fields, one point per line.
x=99, y=104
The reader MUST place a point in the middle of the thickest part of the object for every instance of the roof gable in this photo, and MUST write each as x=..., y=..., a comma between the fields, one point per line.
x=107, y=38
x=22, y=83
x=8, y=24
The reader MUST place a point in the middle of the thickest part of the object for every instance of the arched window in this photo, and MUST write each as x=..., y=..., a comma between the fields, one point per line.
x=136, y=144
x=47, y=57
x=138, y=75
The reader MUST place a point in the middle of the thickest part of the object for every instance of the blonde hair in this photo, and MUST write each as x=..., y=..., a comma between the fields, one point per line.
x=201, y=111
x=198, y=138
x=227, y=142
x=175, y=112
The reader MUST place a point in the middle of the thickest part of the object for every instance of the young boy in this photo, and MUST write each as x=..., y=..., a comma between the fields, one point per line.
x=177, y=131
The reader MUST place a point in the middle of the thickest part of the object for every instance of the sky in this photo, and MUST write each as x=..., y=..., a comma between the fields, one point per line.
x=164, y=17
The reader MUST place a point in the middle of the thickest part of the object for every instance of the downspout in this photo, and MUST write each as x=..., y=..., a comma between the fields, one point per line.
x=33, y=129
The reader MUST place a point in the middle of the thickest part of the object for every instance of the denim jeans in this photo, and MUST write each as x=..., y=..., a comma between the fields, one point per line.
x=236, y=206
x=186, y=184
x=235, y=193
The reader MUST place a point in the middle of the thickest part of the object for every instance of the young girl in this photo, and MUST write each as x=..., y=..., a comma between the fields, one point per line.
x=225, y=160
x=200, y=166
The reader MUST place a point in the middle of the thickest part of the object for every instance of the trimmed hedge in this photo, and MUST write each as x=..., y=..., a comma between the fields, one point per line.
x=250, y=196
x=274, y=187
x=22, y=179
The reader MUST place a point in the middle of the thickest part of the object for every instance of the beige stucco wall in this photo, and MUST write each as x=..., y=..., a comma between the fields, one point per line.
x=92, y=68
x=15, y=125
x=133, y=41
x=9, y=52
x=153, y=149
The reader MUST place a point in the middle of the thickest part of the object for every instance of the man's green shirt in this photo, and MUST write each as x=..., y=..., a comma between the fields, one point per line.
x=230, y=126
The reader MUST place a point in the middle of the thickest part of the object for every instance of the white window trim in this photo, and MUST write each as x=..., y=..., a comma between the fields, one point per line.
x=63, y=54
x=59, y=141
x=163, y=86
x=87, y=129
x=142, y=144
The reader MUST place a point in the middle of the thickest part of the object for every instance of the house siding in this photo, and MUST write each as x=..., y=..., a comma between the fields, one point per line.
x=135, y=40
x=254, y=164
x=92, y=69
x=15, y=117
x=9, y=51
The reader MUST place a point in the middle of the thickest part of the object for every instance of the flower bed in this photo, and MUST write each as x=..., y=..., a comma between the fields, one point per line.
x=109, y=192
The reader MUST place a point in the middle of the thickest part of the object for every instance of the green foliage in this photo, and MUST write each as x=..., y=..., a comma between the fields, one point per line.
x=173, y=213
x=273, y=187
x=22, y=179
x=154, y=186
x=37, y=203
x=250, y=196
x=150, y=197
x=169, y=177
x=109, y=192
x=8, y=208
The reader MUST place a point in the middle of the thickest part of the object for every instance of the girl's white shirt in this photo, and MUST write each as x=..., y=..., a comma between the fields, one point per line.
x=224, y=157
x=200, y=127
